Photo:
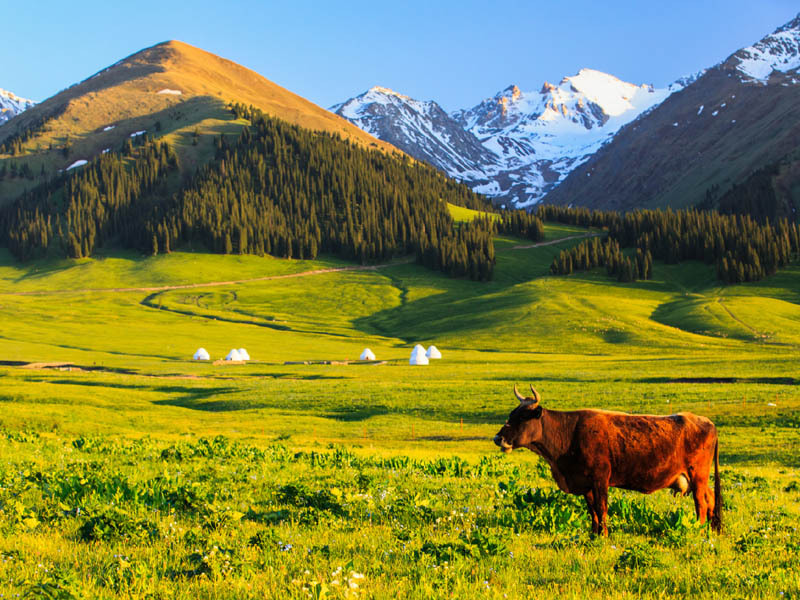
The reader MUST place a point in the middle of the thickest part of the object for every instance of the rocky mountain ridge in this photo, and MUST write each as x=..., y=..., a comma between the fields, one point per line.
x=11, y=105
x=515, y=146
x=737, y=118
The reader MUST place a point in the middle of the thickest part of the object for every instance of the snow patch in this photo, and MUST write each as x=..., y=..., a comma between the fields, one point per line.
x=106, y=151
x=779, y=51
x=700, y=110
x=78, y=163
x=715, y=113
x=488, y=189
x=169, y=92
x=138, y=133
x=109, y=128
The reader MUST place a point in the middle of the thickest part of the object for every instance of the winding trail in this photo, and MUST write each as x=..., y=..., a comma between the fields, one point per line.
x=553, y=242
x=189, y=286
x=721, y=302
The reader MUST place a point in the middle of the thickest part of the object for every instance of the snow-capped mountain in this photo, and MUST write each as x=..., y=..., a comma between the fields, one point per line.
x=738, y=117
x=11, y=105
x=514, y=146
x=422, y=129
x=776, y=54
x=541, y=136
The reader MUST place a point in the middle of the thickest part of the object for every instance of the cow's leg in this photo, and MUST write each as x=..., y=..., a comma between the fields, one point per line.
x=703, y=497
x=600, y=493
x=589, y=496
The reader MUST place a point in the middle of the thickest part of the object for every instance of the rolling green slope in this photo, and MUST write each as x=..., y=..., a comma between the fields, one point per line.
x=202, y=480
x=524, y=309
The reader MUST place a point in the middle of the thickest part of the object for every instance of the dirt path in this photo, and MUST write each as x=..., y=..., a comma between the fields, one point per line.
x=552, y=242
x=189, y=286
x=721, y=302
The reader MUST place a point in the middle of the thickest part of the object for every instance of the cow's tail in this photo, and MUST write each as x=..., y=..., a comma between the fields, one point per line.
x=716, y=517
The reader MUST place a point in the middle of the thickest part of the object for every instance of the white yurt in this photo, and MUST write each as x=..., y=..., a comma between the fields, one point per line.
x=233, y=355
x=367, y=354
x=243, y=354
x=418, y=356
x=433, y=352
x=201, y=354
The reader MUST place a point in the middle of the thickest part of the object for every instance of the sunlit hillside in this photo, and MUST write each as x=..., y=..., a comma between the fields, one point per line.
x=172, y=90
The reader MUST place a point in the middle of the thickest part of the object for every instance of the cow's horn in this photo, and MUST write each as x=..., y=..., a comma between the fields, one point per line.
x=519, y=396
x=536, y=396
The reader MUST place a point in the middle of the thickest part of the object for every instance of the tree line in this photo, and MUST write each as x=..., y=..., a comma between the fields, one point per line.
x=593, y=253
x=103, y=202
x=294, y=193
x=741, y=248
x=276, y=189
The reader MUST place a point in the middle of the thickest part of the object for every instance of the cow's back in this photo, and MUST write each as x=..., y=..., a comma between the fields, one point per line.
x=642, y=452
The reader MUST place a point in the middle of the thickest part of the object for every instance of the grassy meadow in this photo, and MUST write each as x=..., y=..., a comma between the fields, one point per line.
x=129, y=471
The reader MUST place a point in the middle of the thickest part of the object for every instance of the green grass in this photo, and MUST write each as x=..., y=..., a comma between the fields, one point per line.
x=462, y=214
x=383, y=470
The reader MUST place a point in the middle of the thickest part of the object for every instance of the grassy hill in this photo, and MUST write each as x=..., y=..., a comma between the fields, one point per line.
x=140, y=93
x=386, y=470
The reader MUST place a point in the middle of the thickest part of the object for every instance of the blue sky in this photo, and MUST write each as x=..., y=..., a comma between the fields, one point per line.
x=455, y=52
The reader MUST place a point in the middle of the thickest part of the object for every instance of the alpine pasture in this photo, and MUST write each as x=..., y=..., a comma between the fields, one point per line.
x=128, y=470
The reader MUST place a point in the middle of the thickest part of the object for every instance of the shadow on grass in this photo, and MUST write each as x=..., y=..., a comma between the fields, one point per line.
x=194, y=401
x=113, y=352
x=296, y=377
x=454, y=438
x=350, y=415
x=522, y=381
x=188, y=397
x=150, y=302
x=165, y=389
x=785, y=456
x=766, y=380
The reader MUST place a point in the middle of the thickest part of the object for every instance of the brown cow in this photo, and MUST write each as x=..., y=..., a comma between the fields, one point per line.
x=591, y=450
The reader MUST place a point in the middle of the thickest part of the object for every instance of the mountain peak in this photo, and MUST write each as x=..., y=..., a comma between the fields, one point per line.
x=420, y=128
x=547, y=88
x=11, y=105
x=514, y=145
x=378, y=89
x=793, y=24
x=718, y=132
x=167, y=79
x=778, y=51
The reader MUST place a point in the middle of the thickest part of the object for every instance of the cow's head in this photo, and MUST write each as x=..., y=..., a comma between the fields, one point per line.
x=524, y=425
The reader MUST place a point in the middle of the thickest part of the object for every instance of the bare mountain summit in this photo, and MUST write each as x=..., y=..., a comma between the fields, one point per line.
x=170, y=90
